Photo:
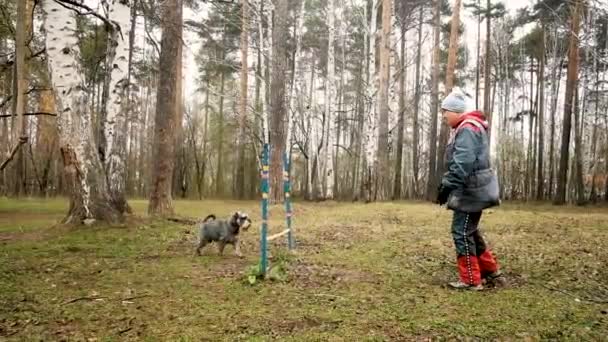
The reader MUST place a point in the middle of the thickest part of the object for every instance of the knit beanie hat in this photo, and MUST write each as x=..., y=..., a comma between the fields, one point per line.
x=454, y=102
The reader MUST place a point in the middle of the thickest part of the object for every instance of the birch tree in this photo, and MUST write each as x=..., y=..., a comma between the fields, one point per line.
x=370, y=120
x=87, y=185
x=117, y=104
x=330, y=95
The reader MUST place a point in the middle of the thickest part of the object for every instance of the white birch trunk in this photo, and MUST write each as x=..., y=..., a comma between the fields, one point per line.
x=89, y=197
x=370, y=127
x=119, y=13
x=312, y=144
x=330, y=95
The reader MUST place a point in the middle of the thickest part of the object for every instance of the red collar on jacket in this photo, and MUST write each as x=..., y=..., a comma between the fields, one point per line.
x=474, y=115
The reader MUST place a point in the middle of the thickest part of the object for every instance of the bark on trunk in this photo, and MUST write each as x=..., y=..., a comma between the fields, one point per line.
x=449, y=84
x=432, y=180
x=330, y=95
x=383, y=176
x=417, y=94
x=164, y=130
x=20, y=134
x=86, y=181
x=240, y=173
x=117, y=103
x=540, y=179
x=401, y=123
x=370, y=122
x=571, y=84
x=277, y=125
x=487, y=76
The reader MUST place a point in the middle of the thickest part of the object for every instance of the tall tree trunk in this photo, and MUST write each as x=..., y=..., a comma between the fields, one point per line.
x=385, y=53
x=19, y=131
x=487, y=73
x=88, y=189
x=370, y=123
x=571, y=84
x=540, y=179
x=205, y=140
x=529, y=173
x=164, y=130
x=578, y=151
x=219, y=176
x=46, y=140
x=555, y=82
x=477, y=69
x=277, y=125
x=449, y=84
x=417, y=94
x=401, y=123
x=240, y=173
x=117, y=104
x=432, y=181
x=594, y=134
x=330, y=95
x=132, y=117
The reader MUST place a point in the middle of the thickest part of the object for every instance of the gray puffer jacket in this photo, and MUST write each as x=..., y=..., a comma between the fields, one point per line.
x=469, y=170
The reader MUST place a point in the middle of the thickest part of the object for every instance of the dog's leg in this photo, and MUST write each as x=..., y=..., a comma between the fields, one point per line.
x=237, y=248
x=202, y=243
x=220, y=246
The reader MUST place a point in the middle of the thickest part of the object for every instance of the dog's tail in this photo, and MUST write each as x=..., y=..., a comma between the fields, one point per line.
x=209, y=218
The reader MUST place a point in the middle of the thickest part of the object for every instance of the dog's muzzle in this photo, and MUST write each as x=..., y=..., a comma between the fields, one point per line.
x=246, y=223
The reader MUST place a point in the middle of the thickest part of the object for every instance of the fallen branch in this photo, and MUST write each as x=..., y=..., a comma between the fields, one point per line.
x=125, y=330
x=81, y=299
x=22, y=141
x=135, y=297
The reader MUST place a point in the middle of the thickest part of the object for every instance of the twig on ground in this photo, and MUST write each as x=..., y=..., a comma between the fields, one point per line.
x=82, y=298
x=591, y=300
x=182, y=220
x=125, y=330
x=135, y=297
x=328, y=295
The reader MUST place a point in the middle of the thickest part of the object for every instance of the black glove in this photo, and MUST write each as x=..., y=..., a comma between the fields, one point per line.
x=443, y=193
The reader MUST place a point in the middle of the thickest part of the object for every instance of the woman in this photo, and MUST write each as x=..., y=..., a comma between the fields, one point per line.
x=468, y=187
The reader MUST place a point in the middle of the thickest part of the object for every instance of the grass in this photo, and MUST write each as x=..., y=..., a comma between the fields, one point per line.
x=361, y=272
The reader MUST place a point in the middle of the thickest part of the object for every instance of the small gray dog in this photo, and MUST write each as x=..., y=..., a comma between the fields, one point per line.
x=223, y=232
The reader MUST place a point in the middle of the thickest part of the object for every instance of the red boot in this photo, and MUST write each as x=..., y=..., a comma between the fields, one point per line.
x=490, y=271
x=487, y=262
x=470, y=274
